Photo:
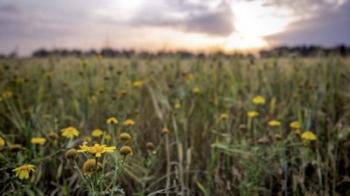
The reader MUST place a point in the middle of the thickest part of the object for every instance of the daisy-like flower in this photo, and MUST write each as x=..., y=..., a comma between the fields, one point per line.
x=253, y=114
x=295, y=125
x=129, y=122
x=97, y=149
x=23, y=171
x=308, y=136
x=97, y=133
x=274, y=123
x=38, y=140
x=70, y=132
x=259, y=100
x=112, y=120
x=2, y=142
x=84, y=147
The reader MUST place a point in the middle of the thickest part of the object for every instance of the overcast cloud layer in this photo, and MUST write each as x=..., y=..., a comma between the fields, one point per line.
x=26, y=25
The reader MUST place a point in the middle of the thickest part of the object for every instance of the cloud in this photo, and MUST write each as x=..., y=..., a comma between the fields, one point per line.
x=329, y=27
x=205, y=17
x=30, y=24
x=9, y=7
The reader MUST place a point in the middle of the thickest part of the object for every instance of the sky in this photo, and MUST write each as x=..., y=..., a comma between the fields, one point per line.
x=196, y=25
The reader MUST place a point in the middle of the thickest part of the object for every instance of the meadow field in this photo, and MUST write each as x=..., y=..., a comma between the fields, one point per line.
x=175, y=126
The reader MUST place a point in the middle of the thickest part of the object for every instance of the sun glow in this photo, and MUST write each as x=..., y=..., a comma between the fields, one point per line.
x=253, y=21
x=240, y=42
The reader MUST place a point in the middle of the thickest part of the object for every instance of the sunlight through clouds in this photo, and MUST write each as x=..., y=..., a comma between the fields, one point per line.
x=187, y=24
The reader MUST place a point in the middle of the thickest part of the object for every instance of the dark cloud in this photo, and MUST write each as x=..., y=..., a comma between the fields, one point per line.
x=190, y=17
x=9, y=8
x=328, y=28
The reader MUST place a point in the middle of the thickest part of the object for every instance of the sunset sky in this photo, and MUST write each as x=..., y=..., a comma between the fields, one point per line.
x=26, y=25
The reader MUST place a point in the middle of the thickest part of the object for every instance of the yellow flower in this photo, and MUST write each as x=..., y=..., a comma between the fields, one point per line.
x=84, y=147
x=112, y=120
x=23, y=171
x=125, y=136
x=308, y=136
x=274, y=123
x=295, y=125
x=259, y=100
x=96, y=149
x=38, y=140
x=126, y=150
x=97, y=133
x=177, y=105
x=70, y=132
x=90, y=166
x=196, y=90
x=2, y=142
x=252, y=114
x=129, y=122
x=223, y=116
x=138, y=84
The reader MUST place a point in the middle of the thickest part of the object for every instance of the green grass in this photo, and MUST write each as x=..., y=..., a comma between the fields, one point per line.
x=202, y=154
